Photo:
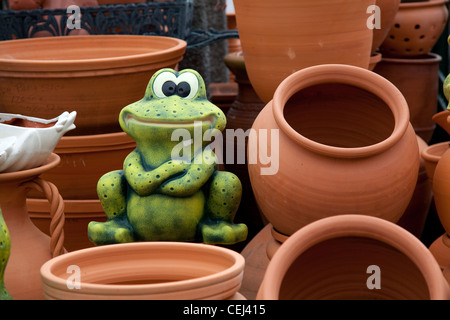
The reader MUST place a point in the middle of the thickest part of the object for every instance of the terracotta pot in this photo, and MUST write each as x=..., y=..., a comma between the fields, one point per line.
x=97, y=79
x=333, y=258
x=30, y=247
x=345, y=146
x=418, y=80
x=147, y=270
x=416, y=29
x=374, y=60
x=415, y=215
x=78, y=214
x=388, y=11
x=432, y=155
x=84, y=159
x=279, y=39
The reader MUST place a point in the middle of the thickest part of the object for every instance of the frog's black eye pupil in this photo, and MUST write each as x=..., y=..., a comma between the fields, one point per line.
x=183, y=89
x=169, y=88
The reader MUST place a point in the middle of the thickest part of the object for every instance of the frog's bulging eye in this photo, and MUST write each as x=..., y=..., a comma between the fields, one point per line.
x=183, y=89
x=169, y=88
x=166, y=84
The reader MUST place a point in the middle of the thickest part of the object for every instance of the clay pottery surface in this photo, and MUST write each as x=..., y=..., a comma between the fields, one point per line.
x=331, y=157
x=374, y=60
x=147, y=270
x=26, y=142
x=432, y=155
x=441, y=190
x=95, y=75
x=440, y=248
x=78, y=214
x=332, y=259
x=388, y=11
x=415, y=215
x=283, y=37
x=84, y=159
x=418, y=80
x=416, y=29
x=30, y=247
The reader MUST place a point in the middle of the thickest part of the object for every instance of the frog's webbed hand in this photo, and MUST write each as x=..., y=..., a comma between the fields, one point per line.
x=202, y=168
x=145, y=182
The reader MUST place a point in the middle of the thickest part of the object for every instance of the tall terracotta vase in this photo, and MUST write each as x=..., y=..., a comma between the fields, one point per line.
x=145, y=270
x=418, y=80
x=345, y=146
x=279, y=38
x=353, y=257
x=30, y=247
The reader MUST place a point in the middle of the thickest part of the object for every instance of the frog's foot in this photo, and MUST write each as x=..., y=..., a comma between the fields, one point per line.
x=224, y=233
x=109, y=232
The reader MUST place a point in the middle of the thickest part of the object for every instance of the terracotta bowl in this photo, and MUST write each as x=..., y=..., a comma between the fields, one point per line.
x=416, y=29
x=95, y=75
x=84, y=159
x=334, y=258
x=146, y=270
x=77, y=213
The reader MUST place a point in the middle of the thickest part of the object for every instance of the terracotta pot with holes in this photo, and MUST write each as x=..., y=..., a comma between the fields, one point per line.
x=416, y=29
x=353, y=257
x=340, y=142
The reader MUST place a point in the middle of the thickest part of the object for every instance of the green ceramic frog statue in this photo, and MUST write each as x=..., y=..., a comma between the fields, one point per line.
x=5, y=250
x=159, y=197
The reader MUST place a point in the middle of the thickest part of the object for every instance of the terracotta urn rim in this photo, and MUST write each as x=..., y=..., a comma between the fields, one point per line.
x=51, y=162
x=173, y=47
x=94, y=142
x=423, y=59
x=219, y=282
x=342, y=74
x=354, y=226
x=429, y=153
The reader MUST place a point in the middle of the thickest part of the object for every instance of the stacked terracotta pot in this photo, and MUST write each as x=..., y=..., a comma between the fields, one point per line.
x=96, y=76
x=409, y=63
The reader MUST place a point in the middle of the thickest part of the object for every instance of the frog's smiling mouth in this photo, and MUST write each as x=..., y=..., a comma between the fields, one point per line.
x=210, y=121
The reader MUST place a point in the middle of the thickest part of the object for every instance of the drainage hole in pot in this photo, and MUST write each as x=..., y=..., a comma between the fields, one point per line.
x=339, y=115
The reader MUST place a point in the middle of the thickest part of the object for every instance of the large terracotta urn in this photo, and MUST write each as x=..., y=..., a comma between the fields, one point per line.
x=353, y=257
x=145, y=270
x=335, y=139
x=279, y=38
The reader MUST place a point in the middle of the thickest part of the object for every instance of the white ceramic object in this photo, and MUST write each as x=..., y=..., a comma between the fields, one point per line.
x=26, y=142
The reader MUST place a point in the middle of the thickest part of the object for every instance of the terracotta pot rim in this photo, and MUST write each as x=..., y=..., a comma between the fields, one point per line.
x=424, y=59
x=50, y=66
x=343, y=74
x=421, y=4
x=52, y=161
x=354, y=226
x=231, y=275
x=430, y=153
x=86, y=143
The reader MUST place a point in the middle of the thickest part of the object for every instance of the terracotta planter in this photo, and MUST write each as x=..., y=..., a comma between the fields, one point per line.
x=388, y=11
x=84, y=159
x=330, y=259
x=418, y=80
x=345, y=146
x=96, y=75
x=432, y=155
x=30, y=247
x=78, y=214
x=147, y=270
x=415, y=215
x=416, y=29
x=279, y=39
